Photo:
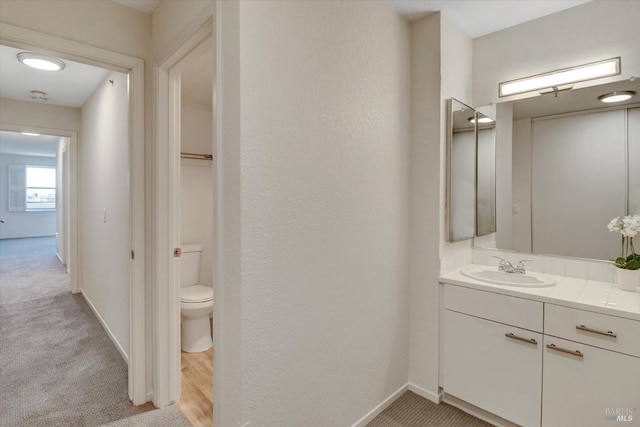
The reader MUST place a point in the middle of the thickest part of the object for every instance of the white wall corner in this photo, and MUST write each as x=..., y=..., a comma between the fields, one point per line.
x=106, y=328
x=381, y=406
x=435, y=397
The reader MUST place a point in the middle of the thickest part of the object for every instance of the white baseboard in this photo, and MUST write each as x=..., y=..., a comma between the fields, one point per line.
x=381, y=407
x=149, y=397
x=105, y=327
x=429, y=395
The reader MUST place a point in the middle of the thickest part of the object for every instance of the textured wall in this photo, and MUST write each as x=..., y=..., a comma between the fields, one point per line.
x=104, y=184
x=101, y=23
x=425, y=201
x=41, y=115
x=325, y=197
x=227, y=304
x=456, y=50
x=440, y=69
x=172, y=23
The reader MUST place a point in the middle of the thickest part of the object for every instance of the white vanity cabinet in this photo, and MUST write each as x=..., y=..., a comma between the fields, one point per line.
x=591, y=368
x=492, y=354
x=538, y=363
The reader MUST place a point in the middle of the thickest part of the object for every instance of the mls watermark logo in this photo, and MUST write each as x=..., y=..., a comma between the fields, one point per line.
x=618, y=414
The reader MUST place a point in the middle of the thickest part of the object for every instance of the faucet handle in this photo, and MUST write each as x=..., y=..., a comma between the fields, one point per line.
x=520, y=266
x=502, y=260
x=504, y=265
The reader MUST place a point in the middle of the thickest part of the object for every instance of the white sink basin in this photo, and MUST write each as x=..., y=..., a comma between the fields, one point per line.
x=493, y=275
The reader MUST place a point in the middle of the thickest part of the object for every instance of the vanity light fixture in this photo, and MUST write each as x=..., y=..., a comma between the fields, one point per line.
x=30, y=134
x=40, y=61
x=559, y=78
x=618, y=96
x=481, y=120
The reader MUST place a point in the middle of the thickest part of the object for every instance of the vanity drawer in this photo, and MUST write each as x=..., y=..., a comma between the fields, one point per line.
x=513, y=311
x=599, y=330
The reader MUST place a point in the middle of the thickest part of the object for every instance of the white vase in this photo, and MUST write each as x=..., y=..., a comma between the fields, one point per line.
x=628, y=280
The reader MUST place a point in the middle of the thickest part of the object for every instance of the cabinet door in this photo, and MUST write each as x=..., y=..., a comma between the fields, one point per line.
x=498, y=373
x=590, y=388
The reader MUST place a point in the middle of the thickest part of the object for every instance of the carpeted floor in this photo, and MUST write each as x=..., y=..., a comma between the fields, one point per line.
x=411, y=410
x=58, y=367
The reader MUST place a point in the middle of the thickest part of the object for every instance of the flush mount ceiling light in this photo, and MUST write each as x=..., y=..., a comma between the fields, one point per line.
x=483, y=119
x=40, y=62
x=618, y=96
x=559, y=78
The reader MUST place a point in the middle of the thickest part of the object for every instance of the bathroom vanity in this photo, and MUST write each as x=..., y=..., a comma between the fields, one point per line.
x=564, y=355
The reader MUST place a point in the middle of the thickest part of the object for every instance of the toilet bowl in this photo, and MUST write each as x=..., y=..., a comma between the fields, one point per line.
x=196, y=302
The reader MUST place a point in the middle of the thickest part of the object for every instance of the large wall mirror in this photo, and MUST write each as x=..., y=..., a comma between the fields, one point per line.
x=575, y=165
x=486, y=174
x=461, y=171
x=471, y=148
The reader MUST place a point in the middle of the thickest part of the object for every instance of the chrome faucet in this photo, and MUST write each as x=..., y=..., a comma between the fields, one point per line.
x=507, y=267
x=504, y=265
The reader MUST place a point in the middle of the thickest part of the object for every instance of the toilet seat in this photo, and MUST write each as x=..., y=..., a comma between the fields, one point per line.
x=196, y=293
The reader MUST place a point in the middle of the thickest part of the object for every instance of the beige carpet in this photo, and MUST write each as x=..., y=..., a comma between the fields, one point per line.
x=58, y=367
x=411, y=410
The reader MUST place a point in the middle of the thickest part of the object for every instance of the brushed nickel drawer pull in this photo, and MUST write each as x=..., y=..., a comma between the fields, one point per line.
x=515, y=337
x=597, y=331
x=564, y=350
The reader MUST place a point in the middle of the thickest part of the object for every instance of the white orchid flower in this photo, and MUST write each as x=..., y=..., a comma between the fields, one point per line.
x=630, y=225
x=615, y=224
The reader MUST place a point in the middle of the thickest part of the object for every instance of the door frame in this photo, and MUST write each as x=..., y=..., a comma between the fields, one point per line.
x=28, y=39
x=70, y=196
x=167, y=362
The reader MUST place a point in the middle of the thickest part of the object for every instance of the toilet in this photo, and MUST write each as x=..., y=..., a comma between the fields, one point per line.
x=196, y=302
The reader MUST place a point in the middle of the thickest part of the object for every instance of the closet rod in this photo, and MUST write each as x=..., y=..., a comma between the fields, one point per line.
x=196, y=156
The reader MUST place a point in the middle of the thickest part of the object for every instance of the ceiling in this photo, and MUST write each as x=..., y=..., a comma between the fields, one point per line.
x=475, y=17
x=146, y=6
x=70, y=87
x=25, y=145
x=480, y=17
x=76, y=82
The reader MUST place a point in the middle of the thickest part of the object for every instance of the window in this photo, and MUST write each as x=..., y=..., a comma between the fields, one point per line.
x=40, y=190
x=32, y=188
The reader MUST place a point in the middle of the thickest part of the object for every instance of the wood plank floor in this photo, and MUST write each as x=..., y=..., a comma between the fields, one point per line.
x=196, y=402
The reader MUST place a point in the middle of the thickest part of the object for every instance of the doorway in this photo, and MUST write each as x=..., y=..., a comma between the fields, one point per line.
x=32, y=198
x=196, y=172
x=28, y=209
x=186, y=210
x=133, y=338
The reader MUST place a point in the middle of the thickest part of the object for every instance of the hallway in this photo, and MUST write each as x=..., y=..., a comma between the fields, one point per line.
x=57, y=364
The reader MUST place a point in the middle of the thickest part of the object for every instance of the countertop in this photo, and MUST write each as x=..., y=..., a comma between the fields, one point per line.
x=591, y=295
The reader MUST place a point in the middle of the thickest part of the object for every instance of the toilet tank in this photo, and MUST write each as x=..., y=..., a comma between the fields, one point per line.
x=190, y=264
